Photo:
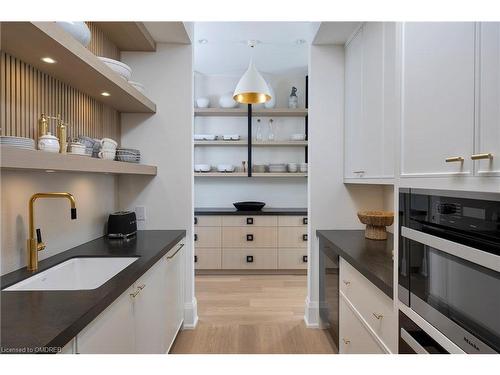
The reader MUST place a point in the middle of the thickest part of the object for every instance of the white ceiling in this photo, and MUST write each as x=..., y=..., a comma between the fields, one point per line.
x=227, y=52
x=335, y=32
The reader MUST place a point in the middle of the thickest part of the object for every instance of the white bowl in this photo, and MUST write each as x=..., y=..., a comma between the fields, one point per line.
x=78, y=30
x=122, y=69
x=292, y=167
x=202, y=102
x=231, y=137
x=225, y=168
x=138, y=86
x=202, y=167
x=298, y=137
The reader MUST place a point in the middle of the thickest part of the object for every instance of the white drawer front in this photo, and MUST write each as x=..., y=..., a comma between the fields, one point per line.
x=249, y=259
x=207, y=221
x=208, y=259
x=292, y=221
x=253, y=237
x=291, y=259
x=374, y=305
x=249, y=221
x=207, y=237
x=353, y=336
x=292, y=237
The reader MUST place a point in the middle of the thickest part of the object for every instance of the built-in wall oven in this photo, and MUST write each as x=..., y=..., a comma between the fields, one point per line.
x=449, y=264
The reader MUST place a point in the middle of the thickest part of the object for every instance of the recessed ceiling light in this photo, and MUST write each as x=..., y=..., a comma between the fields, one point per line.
x=300, y=41
x=48, y=60
x=105, y=93
x=49, y=170
x=203, y=41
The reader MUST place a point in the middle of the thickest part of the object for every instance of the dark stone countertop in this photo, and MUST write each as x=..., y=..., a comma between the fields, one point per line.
x=38, y=319
x=371, y=258
x=264, y=211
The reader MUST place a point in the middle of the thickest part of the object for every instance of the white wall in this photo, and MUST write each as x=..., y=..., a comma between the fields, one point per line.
x=95, y=199
x=332, y=204
x=289, y=192
x=165, y=140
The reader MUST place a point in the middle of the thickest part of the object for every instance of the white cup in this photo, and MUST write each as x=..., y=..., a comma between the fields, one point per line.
x=77, y=148
x=292, y=167
x=107, y=154
x=108, y=144
x=303, y=167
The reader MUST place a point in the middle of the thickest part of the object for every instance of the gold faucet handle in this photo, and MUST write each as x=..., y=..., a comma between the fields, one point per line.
x=39, y=243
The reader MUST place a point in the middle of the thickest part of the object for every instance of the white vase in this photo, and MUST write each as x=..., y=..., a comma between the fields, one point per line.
x=78, y=30
x=271, y=103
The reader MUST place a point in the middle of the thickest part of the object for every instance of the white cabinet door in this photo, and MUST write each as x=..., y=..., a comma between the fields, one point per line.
x=437, y=97
x=150, y=310
x=174, y=294
x=488, y=128
x=112, y=332
x=353, y=163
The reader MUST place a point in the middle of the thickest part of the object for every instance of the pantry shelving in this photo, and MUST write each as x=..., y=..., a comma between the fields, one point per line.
x=75, y=64
x=254, y=143
x=17, y=159
x=243, y=112
x=244, y=174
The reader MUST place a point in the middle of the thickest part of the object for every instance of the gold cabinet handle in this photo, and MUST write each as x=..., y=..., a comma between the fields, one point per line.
x=455, y=159
x=488, y=155
x=346, y=341
x=141, y=287
x=133, y=295
x=378, y=316
x=347, y=283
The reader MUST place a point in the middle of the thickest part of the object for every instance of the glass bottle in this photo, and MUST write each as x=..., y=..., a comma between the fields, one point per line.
x=258, y=136
x=270, y=134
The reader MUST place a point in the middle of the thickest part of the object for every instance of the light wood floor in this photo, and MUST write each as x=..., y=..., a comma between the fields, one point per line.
x=252, y=314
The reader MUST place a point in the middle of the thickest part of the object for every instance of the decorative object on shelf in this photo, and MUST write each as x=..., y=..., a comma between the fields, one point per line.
x=298, y=137
x=203, y=102
x=249, y=206
x=252, y=88
x=231, y=137
x=78, y=30
x=122, y=69
x=272, y=102
x=76, y=148
x=277, y=168
x=244, y=165
x=108, y=144
x=259, y=168
x=258, y=136
x=205, y=137
x=303, y=167
x=129, y=155
x=138, y=86
x=17, y=142
x=92, y=146
x=293, y=100
x=292, y=167
x=107, y=154
x=62, y=135
x=202, y=167
x=376, y=221
x=225, y=168
x=227, y=101
x=270, y=133
x=48, y=143
x=43, y=125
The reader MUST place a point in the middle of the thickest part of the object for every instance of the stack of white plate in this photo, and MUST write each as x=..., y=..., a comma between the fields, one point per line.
x=128, y=155
x=138, y=86
x=277, y=168
x=205, y=137
x=202, y=167
x=18, y=142
x=122, y=69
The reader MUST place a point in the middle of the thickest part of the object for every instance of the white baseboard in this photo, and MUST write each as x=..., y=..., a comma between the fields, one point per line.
x=190, y=314
x=311, y=314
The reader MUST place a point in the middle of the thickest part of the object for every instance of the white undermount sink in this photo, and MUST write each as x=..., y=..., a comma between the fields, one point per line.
x=75, y=274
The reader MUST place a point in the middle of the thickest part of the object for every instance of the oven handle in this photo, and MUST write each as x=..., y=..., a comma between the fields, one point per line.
x=412, y=343
x=471, y=254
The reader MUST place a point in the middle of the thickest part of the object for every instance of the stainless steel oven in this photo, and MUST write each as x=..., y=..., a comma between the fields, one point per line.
x=449, y=264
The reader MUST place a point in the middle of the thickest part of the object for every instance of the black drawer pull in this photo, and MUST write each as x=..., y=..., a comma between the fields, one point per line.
x=196, y=258
x=249, y=237
x=249, y=258
x=195, y=220
x=304, y=220
x=304, y=237
x=249, y=220
x=195, y=237
x=304, y=258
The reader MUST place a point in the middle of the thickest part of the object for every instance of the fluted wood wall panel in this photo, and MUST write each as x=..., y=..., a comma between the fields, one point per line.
x=100, y=45
x=26, y=93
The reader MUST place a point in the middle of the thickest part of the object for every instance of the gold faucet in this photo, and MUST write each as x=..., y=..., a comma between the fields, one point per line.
x=36, y=245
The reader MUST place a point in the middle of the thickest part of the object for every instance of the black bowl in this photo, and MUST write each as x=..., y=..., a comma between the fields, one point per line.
x=249, y=206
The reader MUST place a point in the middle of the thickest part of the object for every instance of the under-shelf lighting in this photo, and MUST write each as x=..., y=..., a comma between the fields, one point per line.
x=49, y=170
x=48, y=60
x=105, y=93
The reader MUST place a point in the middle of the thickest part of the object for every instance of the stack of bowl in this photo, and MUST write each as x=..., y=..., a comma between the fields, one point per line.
x=128, y=155
x=18, y=142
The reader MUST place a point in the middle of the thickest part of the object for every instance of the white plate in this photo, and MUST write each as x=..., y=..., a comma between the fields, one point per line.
x=122, y=69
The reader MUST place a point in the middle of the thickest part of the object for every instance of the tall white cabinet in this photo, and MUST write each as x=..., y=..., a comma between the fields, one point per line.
x=369, y=87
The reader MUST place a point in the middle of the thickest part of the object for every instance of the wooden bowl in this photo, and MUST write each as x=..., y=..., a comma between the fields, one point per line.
x=376, y=221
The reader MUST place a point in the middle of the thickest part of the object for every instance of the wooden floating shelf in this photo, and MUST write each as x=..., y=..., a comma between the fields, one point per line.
x=242, y=174
x=128, y=36
x=242, y=112
x=75, y=64
x=17, y=159
x=254, y=143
